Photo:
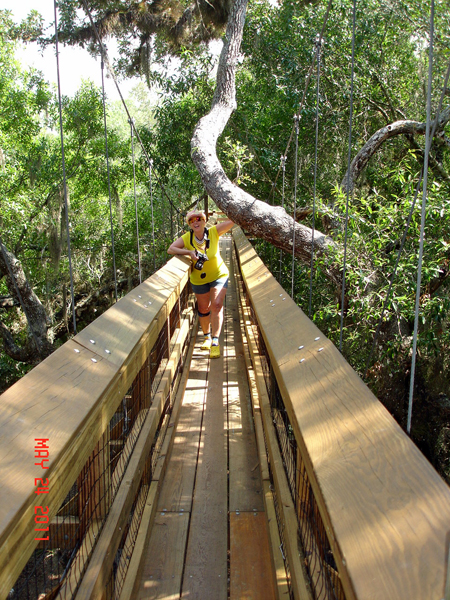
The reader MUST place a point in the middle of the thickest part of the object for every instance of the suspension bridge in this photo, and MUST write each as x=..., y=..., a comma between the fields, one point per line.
x=132, y=466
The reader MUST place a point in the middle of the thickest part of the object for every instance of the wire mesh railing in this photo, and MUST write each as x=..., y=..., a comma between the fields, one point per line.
x=324, y=579
x=58, y=563
x=124, y=552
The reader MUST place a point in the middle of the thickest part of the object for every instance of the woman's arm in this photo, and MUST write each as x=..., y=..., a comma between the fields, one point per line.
x=178, y=247
x=224, y=226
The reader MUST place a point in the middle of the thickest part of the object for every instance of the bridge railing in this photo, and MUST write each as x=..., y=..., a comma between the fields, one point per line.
x=361, y=512
x=78, y=439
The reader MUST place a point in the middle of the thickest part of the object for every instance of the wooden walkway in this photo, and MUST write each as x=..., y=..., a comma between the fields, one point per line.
x=210, y=534
x=332, y=499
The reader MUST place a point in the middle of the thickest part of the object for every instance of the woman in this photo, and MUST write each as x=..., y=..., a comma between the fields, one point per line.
x=210, y=281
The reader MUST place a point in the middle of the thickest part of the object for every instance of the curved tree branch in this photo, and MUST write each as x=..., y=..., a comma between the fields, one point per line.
x=404, y=127
x=270, y=223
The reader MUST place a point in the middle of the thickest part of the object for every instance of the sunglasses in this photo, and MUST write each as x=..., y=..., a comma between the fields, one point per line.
x=195, y=219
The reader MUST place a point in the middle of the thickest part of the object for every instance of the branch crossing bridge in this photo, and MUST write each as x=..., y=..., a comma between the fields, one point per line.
x=133, y=467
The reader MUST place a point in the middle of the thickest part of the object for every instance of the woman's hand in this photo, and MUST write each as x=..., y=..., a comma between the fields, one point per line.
x=178, y=248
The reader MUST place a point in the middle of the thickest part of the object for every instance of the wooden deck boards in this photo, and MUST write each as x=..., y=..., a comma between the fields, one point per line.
x=163, y=567
x=385, y=510
x=213, y=471
x=245, y=478
x=250, y=561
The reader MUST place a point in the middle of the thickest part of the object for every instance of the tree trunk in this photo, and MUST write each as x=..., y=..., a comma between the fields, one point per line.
x=37, y=345
x=270, y=223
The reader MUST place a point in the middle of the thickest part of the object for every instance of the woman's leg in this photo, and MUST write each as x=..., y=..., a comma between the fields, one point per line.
x=204, y=307
x=217, y=300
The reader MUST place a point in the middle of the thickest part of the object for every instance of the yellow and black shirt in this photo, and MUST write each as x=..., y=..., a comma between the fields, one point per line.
x=214, y=268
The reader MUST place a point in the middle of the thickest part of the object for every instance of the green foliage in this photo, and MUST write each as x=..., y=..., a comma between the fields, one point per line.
x=390, y=71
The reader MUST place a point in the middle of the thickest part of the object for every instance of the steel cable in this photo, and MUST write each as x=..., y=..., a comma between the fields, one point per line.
x=348, y=175
x=422, y=221
x=313, y=224
x=64, y=170
x=109, y=181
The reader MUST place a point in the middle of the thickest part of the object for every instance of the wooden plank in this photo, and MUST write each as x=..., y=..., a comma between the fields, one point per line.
x=177, y=486
x=96, y=576
x=276, y=557
x=206, y=556
x=121, y=328
x=177, y=489
x=276, y=547
x=129, y=544
x=61, y=528
x=163, y=567
x=71, y=436
x=133, y=576
x=69, y=585
x=251, y=575
x=385, y=509
x=245, y=481
x=38, y=407
x=287, y=509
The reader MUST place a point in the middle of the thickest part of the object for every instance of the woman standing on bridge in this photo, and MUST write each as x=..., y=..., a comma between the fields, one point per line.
x=209, y=277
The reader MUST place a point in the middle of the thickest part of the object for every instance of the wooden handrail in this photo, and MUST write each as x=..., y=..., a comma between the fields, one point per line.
x=69, y=400
x=385, y=510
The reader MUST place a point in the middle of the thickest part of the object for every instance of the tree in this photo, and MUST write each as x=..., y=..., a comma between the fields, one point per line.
x=135, y=24
x=37, y=345
x=257, y=217
x=34, y=262
x=237, y=147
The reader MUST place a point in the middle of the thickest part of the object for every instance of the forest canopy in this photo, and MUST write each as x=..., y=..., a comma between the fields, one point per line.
x=271, y=67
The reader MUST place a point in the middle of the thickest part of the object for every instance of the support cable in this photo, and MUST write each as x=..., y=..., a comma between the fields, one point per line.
x=308, y=79
x=151, y=204
x=283, y=166
x=135, y=202
x=422, y=222
x=408, y=222
x=64, y=171
x=113, y=75
x=348, y=174
x=295, y=206
x=109, y=181
x=313, y=225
